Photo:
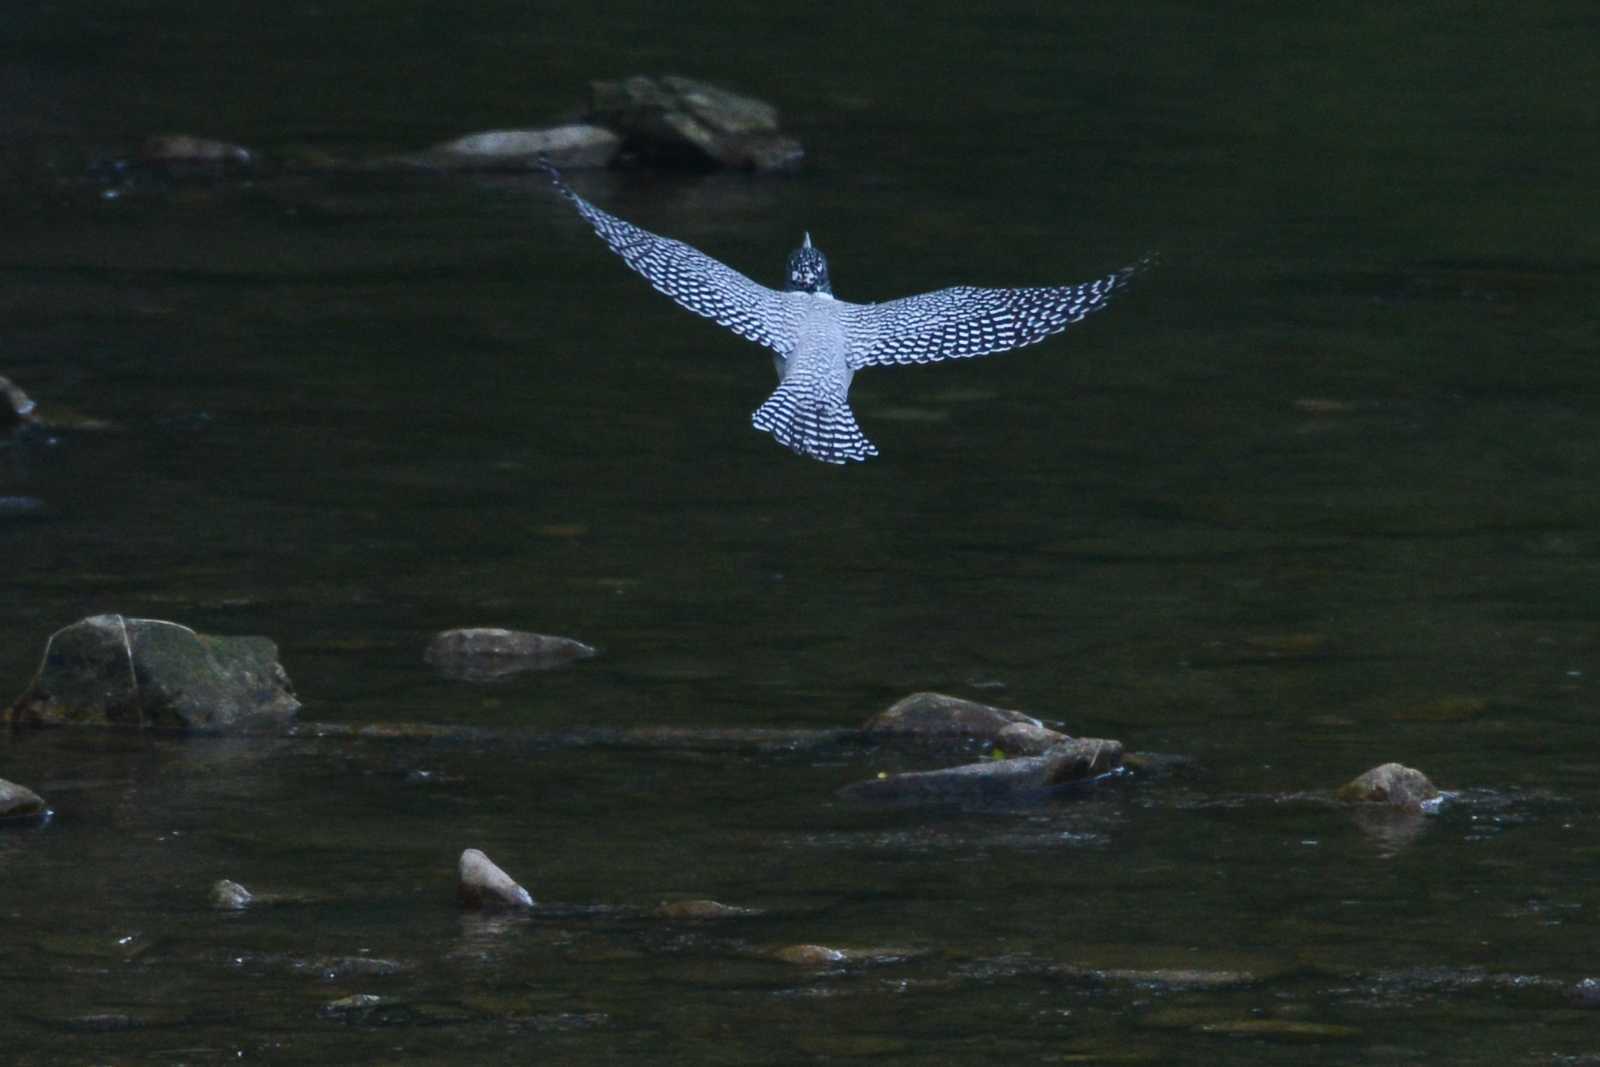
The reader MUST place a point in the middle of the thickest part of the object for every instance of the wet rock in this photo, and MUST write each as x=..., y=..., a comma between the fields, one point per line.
x=995, y=781
x=109, y=670
x=230, y=896
x=16, y=407
x=18, y=802
x=679, y=121
x=941, y=717
x=482, y=654
x=1393, y=784
x=1027, y=739
x=1587, y=993
x=810, y=955
x=483, y=885
x=185, y=155
x=567, y=147
x=701, y=909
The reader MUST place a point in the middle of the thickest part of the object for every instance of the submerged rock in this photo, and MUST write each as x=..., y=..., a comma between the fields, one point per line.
x=109, y=670
x=1393, y=784
x=482, y=653
x=995, y=781
x=567, y=147
x=701, y=909
x=18, y=802
x=677, y=120
x=938, y=716
x=481, y=884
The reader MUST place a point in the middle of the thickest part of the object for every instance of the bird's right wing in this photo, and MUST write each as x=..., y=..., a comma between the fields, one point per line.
x=692, y=278
x=965, y=321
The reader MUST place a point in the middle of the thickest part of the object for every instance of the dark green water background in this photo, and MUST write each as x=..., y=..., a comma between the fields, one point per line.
x=1318, y=495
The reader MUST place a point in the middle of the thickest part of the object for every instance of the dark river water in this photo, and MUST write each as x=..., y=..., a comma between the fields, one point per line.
x=1317, y=494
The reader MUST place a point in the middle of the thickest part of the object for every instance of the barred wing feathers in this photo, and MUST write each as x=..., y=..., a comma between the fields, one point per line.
x=964, y=321
x=692, y=278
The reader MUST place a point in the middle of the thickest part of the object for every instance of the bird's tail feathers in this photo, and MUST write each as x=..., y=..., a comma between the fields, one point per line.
x=813, y=426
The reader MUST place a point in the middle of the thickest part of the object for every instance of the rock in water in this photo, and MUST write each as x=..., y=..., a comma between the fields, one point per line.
x=20, y=803
x=679, y=120
x=481, y=884
x=482, y=653
x=108, y=670
x=1393, y=784
x=938, y=716
x=567, y=147
x=16, y=407
x=230, y=896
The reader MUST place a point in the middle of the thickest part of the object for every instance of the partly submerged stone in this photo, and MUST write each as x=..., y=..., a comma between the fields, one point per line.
x=18, y=802
x=810, y=955
x=937, y=716
x=16, y=407
x=701, y=909
x=228, y=895
x=482, y=653
x=1393, y=784
x=996, y=780
x=568, y=147
x=676, y=120
x=110, y=670
x=185, y=155
x=481, y=884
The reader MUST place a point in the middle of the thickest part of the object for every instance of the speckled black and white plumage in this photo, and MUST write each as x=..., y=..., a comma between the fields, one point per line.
x=820, y=342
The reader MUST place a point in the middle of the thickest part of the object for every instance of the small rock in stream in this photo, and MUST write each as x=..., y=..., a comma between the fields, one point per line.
x=701, y=909
x=230, y=896
x=810, y=955
x=567, y=147
x=940, y=716
x=483, y=885
x=16, y=407
x=1393, y=784
x=484, y=653
x=19, y=803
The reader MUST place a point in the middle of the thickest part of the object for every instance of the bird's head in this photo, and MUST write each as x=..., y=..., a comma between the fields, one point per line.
x=807, y=271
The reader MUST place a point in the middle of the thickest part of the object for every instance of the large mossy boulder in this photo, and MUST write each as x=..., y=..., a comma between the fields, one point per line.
x=109, y=670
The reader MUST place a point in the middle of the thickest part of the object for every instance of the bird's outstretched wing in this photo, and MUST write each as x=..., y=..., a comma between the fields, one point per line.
x=965, y=321
x=692, y=278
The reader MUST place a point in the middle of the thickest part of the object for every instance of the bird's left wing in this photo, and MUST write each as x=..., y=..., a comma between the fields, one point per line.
x=692, y=278
x=965, y=321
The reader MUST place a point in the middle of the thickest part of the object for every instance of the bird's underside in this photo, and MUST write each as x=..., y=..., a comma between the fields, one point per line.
x=820, y=342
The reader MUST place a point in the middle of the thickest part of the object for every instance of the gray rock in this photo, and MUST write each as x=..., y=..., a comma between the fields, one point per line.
x=481, y=884
x=230, y=896
x=938, y=716
x=995, y=781
x=20, y=802
x=185, y=147
x=1393, y=784
x=481, y=654
x=15, y=406
x=108, y=670
x=567, y=147
x=679, y=120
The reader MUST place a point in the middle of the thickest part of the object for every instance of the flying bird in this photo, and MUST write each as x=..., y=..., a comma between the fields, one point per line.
x=819, y=342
